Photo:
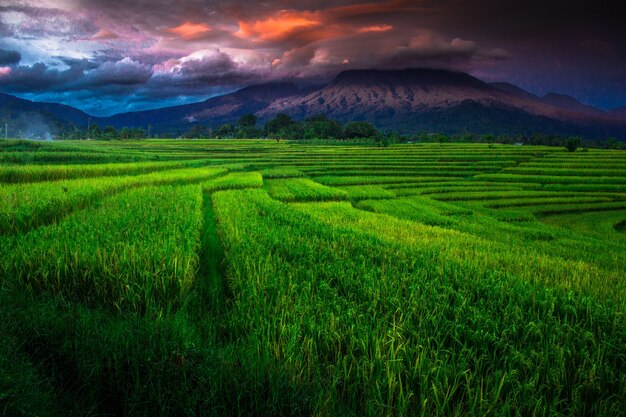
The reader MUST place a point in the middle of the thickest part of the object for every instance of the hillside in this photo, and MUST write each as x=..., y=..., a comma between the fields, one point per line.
x=407, y=101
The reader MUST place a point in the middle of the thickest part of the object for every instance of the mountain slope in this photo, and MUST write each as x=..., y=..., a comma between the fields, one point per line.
x=214, y=111
x=570, y=103
x=515, y=90
x=561, y=101
x=437, y=100
x=619, y=113
x=27, y=118
x=407, y=101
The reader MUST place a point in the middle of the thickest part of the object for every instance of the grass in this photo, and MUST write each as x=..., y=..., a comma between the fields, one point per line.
x=362, y=192
x=36, y=173
x=240, y=277
x=26, y=206
x=136, y=251
x=302, y=189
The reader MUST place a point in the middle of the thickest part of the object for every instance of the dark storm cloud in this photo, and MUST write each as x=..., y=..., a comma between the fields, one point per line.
x=124, y=72
x=212, y=71
x=81, y=75
x=9, y=57
x=39, y=77
x=533, y=19
x=171, y=51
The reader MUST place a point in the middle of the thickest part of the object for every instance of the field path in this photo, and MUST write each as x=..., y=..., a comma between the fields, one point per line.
x=210, y=281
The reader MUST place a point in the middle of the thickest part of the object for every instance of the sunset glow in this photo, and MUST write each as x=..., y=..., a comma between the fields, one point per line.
x=67, y=51
x=104, y=34
x=379, y=28
x=278, y=27
x=190, y=30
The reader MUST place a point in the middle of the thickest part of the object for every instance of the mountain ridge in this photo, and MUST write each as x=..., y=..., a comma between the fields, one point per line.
x=409, y=101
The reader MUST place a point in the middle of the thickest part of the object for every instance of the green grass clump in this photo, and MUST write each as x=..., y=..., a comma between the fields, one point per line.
x=597, y=224
x=418, y=209
x=366, y=180
x=404, y=320
x=545, y=201
x=273, y=173
x=37, y=173
x=136, y=250
x=592, y=172
x=26, y=206
x=547, y=179
x=235, y=180
x=302, y=189
x=362, y=192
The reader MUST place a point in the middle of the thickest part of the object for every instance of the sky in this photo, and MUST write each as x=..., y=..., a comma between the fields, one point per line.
x=111, y=56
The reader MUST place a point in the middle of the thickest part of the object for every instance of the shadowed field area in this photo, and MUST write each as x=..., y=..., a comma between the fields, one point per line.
x=242, y=277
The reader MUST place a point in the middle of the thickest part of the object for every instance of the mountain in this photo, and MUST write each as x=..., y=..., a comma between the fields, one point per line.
x=515, y=90
x=437, y=100
x=561, y=101
x=383, y=96
x=214, y=111
x=570, y=103
x=619, y=113
x=407, y=101
x=31, y=119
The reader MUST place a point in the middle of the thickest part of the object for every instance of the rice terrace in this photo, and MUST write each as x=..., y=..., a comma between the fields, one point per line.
x=312, y=208
x=255, y=277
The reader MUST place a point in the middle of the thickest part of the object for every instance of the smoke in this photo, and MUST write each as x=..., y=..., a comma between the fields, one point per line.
x=33, y=126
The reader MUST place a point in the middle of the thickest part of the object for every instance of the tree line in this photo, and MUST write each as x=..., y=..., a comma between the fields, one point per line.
x=283, y=126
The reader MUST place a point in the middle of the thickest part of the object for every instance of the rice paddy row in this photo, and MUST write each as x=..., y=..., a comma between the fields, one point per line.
x=263, y=278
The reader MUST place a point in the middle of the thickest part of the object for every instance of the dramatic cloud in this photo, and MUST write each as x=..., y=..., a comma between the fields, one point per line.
x=104, y=34
x=123, y=72
x=9, y=57
x=190, y=30
x=141, y=54
x=38, y=78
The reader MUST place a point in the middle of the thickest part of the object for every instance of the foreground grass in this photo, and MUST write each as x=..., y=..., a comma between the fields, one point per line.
x=312, y=280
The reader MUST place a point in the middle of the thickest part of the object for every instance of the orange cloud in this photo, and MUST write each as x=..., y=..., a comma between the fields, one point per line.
x=104, y=34
x=279, y=26
x=365, y=9
x=190, y=30
x=302, y=27
x=376, y=28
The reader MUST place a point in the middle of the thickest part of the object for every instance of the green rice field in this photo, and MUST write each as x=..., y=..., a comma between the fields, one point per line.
x=264, y=278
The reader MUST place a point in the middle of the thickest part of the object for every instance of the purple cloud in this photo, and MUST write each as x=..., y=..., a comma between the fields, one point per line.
x=159, y=52
x=123, y=72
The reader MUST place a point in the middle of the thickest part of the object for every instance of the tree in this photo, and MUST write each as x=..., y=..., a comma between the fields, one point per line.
x=93, y=132
x=246, y=121
x=196, y=131
x=572, y=143
x=612, y=143
x=109, y=133
x=125, y=133
x=279, y=125
x=321, y=127
x=354, y=130
x=489, y=138
x=225, y=131
x=137, y=133
x=246, y=127
x=440, y=138
x=382, y=140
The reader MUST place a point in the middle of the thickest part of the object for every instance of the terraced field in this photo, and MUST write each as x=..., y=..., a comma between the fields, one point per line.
x=260, y=278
